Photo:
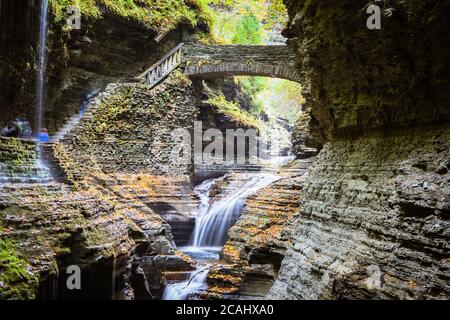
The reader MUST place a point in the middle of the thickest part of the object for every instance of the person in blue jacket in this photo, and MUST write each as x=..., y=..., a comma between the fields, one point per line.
x=43, y=136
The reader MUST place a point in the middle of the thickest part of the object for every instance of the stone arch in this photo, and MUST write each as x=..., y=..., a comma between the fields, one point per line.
x=244, y=69
x=276, y=61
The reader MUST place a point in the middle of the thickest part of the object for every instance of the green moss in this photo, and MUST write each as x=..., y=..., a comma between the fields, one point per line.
x=16, y=279
x=232, y=110
x=109, y=113
x=16, y=151
x=178, y=78
x=95, y=236
x=63, y=250
x=157, y=15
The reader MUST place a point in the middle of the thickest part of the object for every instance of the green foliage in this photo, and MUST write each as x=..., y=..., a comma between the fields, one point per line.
x=276, y=14
x=155, y=14
x=250, y=22
x=232, y=110
x=277, y=97
x=247, y=31
x=282, y=98
x=233, y=17
x=16, y=281
x=252, y=86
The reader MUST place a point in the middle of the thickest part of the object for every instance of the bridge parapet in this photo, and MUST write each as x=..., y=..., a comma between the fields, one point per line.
x=277, y=55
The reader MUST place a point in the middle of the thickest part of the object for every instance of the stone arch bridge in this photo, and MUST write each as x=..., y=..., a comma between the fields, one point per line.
x=216, y=60
x=251, y=60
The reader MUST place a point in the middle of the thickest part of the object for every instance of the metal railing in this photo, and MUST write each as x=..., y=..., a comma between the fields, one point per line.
x=164, y=66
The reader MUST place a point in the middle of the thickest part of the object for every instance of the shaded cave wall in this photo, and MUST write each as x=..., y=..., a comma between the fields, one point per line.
x=19, y=27
x=374, y=217
x=356, y=79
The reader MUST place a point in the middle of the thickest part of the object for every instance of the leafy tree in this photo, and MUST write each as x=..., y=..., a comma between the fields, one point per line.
x=228, y=14
x=248, y=31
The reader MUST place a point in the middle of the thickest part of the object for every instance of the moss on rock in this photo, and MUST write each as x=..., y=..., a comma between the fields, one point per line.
x=17, y=279
x=160, y=16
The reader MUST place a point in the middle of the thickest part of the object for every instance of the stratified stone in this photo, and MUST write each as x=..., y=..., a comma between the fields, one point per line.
x=373, y=221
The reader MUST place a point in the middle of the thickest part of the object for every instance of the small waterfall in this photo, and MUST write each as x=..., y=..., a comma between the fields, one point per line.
x=181, y=291
x=202, y=191
x=211, y=227
x=42, y=65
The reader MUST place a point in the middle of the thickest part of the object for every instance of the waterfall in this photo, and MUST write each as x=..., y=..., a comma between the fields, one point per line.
x=202, y=191
x=210, y=233
x=42, y=64
x=196, y=282
x=212, y=225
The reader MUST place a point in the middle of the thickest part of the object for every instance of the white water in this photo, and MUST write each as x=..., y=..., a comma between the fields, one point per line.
x=195, y=283
x=42, y=65
x=202, y=191
x=211, y=227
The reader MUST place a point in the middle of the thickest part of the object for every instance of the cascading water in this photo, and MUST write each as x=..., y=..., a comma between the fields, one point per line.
x=42, y=65
x=211, y=227
x=196, y=282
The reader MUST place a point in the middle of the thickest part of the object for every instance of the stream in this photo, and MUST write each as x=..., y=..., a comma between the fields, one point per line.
x=212, y=222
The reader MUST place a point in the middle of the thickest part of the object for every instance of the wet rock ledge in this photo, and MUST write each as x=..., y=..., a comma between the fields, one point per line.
x=374, y=218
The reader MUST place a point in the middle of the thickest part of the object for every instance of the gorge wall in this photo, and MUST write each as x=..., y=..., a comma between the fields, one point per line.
x=376, y=206
x=111, y=215
x=356, y=79
x=111, y=47
x=374, y=217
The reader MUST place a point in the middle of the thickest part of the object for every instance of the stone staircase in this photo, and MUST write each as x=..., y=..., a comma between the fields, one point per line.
x=75, y=119
x=51, y=161
x=68, y=126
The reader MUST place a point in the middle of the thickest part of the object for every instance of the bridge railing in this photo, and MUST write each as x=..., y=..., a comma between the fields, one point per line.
x=164, y=66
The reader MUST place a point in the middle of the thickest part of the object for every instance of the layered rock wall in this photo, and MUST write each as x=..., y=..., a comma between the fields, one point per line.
x=373, y=207
x=19, y=162
x=130, y=128
x=374, y=215
x=107, y=49
x=109, y=218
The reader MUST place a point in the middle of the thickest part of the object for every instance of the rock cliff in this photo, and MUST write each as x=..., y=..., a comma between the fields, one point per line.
x=115, y=43
x=107, y=217
x=356, y=79
x=374, y=217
